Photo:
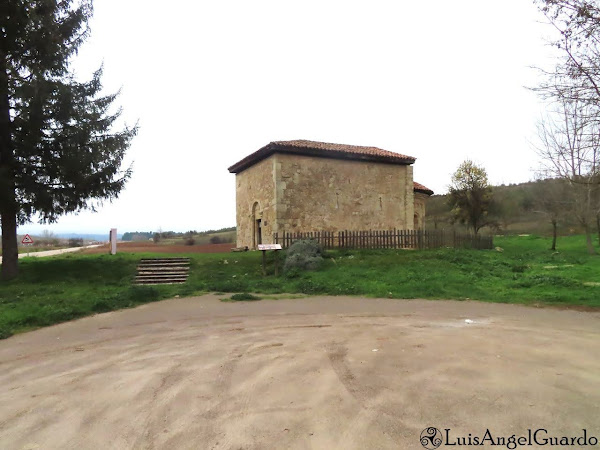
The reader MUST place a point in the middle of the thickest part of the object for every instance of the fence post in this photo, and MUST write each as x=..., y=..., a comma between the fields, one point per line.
x=385, y=239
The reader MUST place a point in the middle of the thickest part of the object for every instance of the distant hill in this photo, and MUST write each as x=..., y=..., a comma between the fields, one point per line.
x=515, y=211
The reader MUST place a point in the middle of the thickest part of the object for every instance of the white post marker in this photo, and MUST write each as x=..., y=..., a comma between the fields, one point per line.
x=113, y=241
x=27, y=240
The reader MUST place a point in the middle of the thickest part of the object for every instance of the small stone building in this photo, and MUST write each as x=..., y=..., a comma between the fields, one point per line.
x=298, y=186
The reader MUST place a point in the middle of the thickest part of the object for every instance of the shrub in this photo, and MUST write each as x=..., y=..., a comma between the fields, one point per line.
x=5, y=332
x=519, y=268
x=189, y=240
x=215, y=240
x=244, y=296
x=75, y=242
x=303, y=255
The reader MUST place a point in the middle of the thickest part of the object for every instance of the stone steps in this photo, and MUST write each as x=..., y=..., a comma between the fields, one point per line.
x=162, y=271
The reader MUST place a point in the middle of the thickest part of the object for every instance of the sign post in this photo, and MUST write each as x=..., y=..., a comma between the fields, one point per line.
x=27, y=240
x=263, y=248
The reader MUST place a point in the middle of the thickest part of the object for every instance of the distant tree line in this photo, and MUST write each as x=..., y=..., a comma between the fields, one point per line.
x=220, y=230
x=137, y=236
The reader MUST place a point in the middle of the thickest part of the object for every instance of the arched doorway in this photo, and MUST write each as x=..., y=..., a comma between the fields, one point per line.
x=256, y=225
x=417, y=224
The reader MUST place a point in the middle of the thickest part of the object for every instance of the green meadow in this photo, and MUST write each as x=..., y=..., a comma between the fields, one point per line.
x=58, y=289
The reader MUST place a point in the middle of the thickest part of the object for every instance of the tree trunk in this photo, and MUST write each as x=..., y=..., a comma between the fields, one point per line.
x=553, y=235
x=598, y=226
x=8, y=206
x=10, y=251
x=588, y=240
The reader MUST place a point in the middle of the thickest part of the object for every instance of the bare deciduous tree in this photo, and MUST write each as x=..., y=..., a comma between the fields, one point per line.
x=570, y=150
x=576, y=76
x=551, y=199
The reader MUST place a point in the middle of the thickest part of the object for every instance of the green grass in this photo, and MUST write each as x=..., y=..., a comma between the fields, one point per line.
x=53, y=290
x=525, y=272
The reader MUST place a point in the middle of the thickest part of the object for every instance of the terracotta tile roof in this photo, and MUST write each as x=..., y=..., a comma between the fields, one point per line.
x=418, y=187
x=323, y=150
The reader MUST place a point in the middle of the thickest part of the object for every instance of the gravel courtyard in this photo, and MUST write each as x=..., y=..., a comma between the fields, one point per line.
x=309, y=373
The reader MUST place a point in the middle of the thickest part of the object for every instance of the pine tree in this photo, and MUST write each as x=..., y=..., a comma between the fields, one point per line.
x=58, y=150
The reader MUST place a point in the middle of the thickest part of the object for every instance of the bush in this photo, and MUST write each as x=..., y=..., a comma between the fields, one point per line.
x=519, y=268
x=303, y=255
x=5, y=332
x=189, y=240
x=74, y=242
x=215, y=240
x=244, y=296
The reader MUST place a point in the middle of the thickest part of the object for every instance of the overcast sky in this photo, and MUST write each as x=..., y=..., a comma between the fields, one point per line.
x=212, y=81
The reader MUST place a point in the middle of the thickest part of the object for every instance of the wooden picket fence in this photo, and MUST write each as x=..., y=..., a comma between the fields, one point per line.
x=375, y=239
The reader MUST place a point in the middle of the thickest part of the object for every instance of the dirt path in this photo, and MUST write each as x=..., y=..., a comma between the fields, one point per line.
x=56, y=252
x=200, y=374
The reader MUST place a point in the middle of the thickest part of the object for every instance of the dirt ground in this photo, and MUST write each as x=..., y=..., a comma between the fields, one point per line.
x=312, y=373
x=150, y=247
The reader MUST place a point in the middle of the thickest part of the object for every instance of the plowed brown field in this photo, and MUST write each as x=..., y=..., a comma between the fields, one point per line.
x=150, y=247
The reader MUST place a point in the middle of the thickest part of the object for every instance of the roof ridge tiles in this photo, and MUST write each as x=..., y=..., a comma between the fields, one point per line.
x=324, y=150
x=420, y=188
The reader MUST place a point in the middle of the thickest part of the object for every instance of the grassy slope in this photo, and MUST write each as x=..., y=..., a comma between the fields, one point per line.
x=52, y=290
x=200, y=239
x=525, y=272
